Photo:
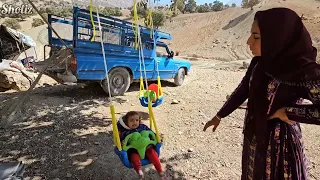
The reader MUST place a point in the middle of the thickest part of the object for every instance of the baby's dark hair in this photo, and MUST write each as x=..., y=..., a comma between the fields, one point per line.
x=129, y=114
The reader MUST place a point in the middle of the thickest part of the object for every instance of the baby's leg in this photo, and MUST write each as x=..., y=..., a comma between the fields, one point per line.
x=136, y=163
x=152, y=155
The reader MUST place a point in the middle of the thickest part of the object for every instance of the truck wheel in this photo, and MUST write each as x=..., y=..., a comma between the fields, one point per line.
x=179, y=78
x=119, y=81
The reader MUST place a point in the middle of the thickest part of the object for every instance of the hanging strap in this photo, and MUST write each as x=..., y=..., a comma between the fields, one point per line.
x=153, y=120
x=116, y=137
x=135, y=25
x=149, y=22
x=138, y=45
x=92, y=22
x=159, y=80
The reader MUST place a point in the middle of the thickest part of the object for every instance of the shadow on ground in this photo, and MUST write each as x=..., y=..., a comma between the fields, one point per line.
x=64, y=136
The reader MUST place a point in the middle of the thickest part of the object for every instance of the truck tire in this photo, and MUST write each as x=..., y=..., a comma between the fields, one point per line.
x=120, y=81
x=179, y=78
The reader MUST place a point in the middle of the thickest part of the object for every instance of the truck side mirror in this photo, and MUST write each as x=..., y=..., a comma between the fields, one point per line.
x=171, y=54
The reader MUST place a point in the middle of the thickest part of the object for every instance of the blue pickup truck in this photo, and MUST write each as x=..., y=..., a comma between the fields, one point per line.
x=122, y=58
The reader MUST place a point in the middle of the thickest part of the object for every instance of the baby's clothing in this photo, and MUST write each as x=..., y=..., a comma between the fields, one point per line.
x=151, y=154
x=124, y=130
x=133, y=155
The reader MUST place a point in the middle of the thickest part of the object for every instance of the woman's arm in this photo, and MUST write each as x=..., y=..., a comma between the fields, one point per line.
x=239, y=95
x=309, y=114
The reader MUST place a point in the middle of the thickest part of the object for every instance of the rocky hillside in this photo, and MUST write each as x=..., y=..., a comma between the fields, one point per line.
x=223, y=35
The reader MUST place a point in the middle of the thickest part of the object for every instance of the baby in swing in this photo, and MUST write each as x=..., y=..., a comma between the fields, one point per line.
x=130, y=123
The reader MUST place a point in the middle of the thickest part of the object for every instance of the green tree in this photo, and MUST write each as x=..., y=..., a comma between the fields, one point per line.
x=233, y=5
x=180, y=5
x=158, y=18
x=21, y=16
x=253, y=3
x=37, y=22
x=177, y=5
x=203, y=8
x=42, y=10
x=244, y=3
x=141, y=9
x=12, y=23
x=112, y=11
x=118, y=12
x=49, y=10
x=191, y=6
x=217, y=6
x=249, y=3
x=65, y=12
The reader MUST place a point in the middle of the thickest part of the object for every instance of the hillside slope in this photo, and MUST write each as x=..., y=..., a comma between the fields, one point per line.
x=223, y=35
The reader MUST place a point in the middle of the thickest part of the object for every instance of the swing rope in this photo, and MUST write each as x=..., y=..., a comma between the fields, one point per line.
x=138, y=46
x=135, y=25
x=112, y=109
x=141, y=58
x=152, y=35
x=116, y=137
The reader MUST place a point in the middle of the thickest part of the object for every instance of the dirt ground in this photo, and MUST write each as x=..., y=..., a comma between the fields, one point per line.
x=65, y=131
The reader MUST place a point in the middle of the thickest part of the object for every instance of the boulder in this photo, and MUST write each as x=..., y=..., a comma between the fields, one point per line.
x=15, y=80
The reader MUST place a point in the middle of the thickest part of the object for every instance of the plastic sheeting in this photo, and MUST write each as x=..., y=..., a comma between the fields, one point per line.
x=25, y=38
x=12, y=42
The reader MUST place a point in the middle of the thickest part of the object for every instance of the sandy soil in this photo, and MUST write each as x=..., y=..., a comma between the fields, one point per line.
x=65, y=132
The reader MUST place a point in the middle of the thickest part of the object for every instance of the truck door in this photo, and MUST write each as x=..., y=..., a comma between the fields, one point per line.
x=165, y=64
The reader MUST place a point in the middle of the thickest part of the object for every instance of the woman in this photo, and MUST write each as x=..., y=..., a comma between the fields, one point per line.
x=282, y=71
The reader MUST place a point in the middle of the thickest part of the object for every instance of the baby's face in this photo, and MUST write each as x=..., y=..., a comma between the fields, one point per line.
x=133, y=121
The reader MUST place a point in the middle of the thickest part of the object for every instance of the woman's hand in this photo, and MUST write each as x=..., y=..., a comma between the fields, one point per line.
x=281, y=114
x=215, y=121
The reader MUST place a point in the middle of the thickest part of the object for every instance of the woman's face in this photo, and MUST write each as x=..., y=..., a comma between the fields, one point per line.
x=254, y=40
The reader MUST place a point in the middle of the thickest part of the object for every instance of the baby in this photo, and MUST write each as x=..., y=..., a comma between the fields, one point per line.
x=130, y=123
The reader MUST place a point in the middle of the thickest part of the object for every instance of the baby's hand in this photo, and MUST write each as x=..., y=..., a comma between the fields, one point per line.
x=122, y=143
